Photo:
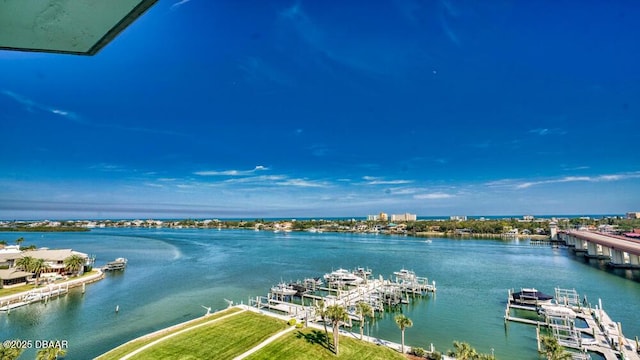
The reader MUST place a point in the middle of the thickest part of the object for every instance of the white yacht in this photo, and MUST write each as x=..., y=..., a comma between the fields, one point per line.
x=283, y=289
x=343, y=276
x=405, y=274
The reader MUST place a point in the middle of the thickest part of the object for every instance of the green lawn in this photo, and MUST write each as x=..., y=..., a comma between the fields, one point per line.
x=311, y=344
x=221, y=340
x=232, y=336
x=124, y=349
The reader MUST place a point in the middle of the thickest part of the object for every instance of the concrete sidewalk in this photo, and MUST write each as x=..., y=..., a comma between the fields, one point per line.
x=264, y=343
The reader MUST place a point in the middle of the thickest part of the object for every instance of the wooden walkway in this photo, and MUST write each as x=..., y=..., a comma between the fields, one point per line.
x=608, y=340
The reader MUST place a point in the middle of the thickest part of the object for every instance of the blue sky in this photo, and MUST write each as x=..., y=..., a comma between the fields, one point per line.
x=310, y=109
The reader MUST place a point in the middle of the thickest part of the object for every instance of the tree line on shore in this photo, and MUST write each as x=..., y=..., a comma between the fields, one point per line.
x=444, y=226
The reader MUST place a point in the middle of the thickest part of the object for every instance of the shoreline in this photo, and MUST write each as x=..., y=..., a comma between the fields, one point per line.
x=69, y=284
x=479, y=235
x=186, y=326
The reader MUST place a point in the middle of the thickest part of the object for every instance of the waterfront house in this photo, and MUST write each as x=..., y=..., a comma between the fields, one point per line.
x=8, y=255
x=55, y=259
x=13, y=277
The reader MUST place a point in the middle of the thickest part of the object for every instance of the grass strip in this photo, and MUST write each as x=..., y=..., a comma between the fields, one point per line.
x=311, y=344
x=224, y=339
x=133, y=345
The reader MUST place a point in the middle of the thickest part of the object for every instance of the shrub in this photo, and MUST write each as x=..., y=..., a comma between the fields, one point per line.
x=418, y=351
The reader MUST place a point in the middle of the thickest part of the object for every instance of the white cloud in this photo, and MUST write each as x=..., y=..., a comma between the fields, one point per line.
x=302, y=183
x=264, y=179
x=546, y=131
x=372, y=180
x=231, y=172
x=403, y=191
x=60, y=112
x=109, y=168
x=31, y=105
x=518, y=184
x=433, y=196
x=178, y=4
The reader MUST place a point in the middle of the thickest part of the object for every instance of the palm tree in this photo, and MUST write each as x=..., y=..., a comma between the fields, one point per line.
x=552, y=349
x=363, y=310
x=337, y=314
x=463, y=351
x=19, y=241
x=321, y=310
x=37, y=266
x=74, y=263
x=10, y=353
x=50, y=353
x=25, y=263
x=403, y=322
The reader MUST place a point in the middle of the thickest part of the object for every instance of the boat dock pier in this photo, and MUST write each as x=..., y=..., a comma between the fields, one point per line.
x=345, y=289
x=42, y=294
x=46, y=293
x=601, y=334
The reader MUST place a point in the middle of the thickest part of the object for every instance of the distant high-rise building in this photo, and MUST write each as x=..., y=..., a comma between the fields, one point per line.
x=383, y=216
x=633, y=215
x=458, y=217
x=404, y=217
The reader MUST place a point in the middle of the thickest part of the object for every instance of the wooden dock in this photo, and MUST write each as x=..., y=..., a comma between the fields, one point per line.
x=608, y=339
x=377, y=292
x=43, y=294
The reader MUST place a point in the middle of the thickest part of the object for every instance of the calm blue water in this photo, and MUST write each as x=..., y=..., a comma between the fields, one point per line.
x=171, y=273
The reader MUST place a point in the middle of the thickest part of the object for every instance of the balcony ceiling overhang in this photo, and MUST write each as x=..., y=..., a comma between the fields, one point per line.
x=80, y=27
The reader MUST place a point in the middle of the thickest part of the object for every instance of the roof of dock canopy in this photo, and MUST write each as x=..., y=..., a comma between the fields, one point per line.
x=69, y=27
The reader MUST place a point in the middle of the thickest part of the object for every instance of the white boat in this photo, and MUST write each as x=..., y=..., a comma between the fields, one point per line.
x=362, y=272
x=34, y=296
x=283, y=289
x=312, y=282
x=117, y=264
x=530, y=296
x=405, y=274
x=343, y=276
x=557, y=311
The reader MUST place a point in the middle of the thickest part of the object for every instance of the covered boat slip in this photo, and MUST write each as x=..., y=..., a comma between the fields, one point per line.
x=574, y=324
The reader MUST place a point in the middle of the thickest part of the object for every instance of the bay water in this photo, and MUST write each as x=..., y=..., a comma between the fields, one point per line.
x=173, y=273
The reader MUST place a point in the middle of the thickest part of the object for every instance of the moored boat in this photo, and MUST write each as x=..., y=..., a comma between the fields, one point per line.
x=283, y=289
x=343, y=276
x=530, y=296
x=117, y=264
x=405, y=274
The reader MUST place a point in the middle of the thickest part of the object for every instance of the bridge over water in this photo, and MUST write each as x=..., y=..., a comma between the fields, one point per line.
x=620, y=251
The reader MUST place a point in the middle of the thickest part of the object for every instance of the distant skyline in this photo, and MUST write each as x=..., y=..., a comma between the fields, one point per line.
x=251, y=109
